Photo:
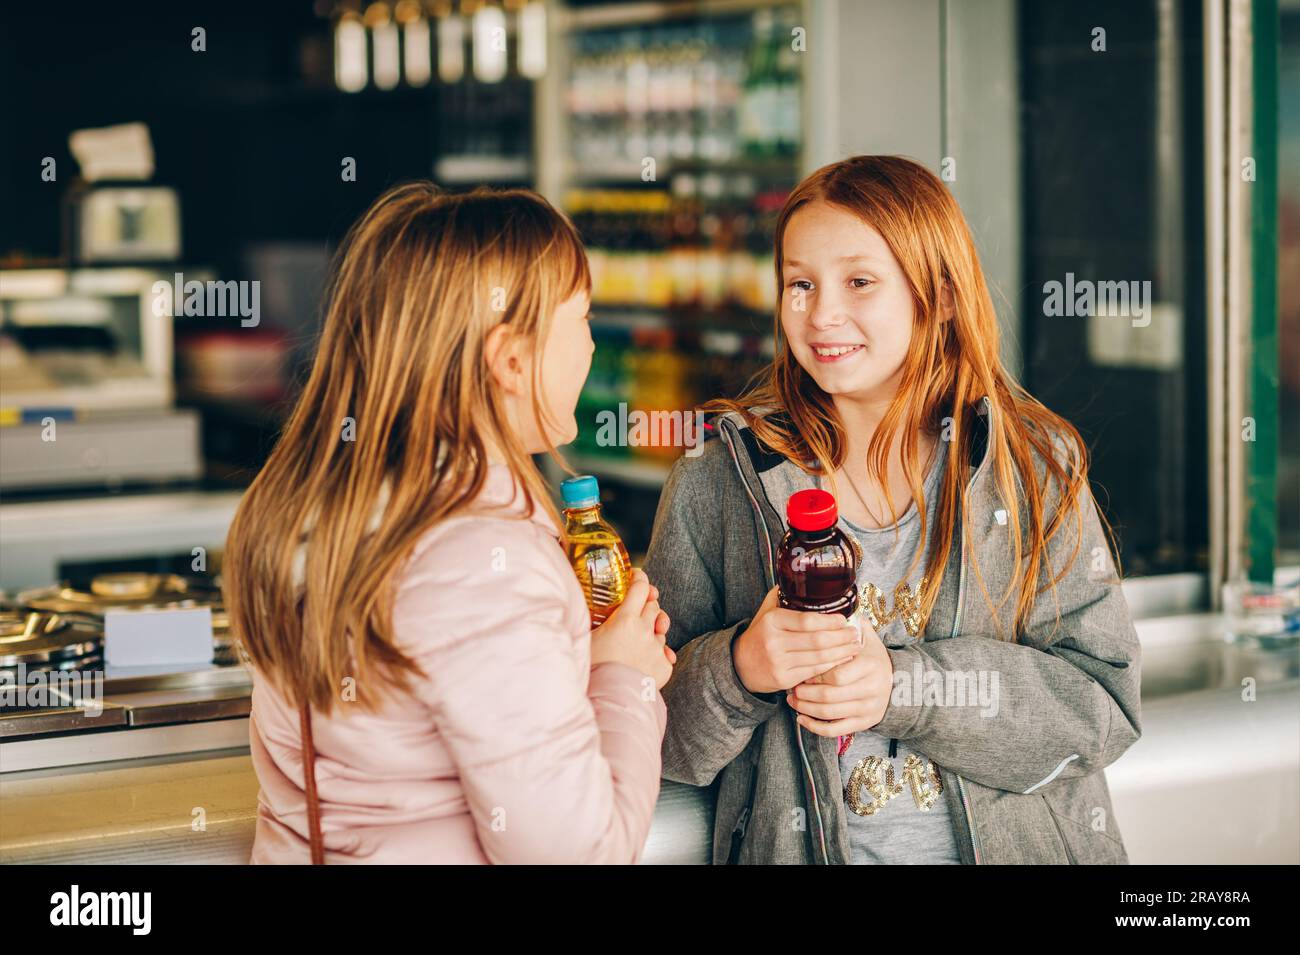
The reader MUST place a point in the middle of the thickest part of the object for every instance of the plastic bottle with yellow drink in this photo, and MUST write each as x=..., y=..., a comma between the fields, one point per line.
x=596, y=551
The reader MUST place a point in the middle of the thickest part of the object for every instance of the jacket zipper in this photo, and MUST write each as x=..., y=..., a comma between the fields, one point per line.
x=738, y=834
x=742, y=821
x=956, y=629
x=956, y=625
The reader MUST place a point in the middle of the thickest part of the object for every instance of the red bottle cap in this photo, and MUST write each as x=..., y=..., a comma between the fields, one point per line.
x=811, y=510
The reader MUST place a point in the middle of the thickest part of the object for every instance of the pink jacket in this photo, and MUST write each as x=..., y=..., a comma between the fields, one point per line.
x=510, y=750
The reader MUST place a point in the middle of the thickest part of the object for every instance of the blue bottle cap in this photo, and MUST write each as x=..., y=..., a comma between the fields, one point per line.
x=581, y=491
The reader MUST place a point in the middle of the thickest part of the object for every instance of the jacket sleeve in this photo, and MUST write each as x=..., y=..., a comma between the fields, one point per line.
x=557, y=763
x=711, y=715
x=1067, y=697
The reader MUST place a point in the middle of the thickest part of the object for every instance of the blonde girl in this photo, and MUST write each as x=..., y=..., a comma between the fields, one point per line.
x=427, y=687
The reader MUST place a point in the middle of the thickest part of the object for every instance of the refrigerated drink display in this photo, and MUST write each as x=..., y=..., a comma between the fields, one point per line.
x=661, y=392
x=701, y=249
x=681, y=144
x=623, y=231
x=671, y=91
x=609, y=383
x=769, y=109
x=595, y=550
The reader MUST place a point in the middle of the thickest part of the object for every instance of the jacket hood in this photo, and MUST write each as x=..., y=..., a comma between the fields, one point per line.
x=770, y=478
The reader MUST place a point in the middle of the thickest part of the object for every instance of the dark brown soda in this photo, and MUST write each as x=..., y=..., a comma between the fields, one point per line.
x=816, y=572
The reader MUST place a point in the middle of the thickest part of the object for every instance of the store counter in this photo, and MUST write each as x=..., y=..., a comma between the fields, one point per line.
x=172, y=780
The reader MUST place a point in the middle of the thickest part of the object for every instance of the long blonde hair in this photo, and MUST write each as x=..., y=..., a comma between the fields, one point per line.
x=390, y=433
x=950, y=366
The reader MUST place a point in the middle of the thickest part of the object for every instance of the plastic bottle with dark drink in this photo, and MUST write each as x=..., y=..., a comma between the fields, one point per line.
x=816, y=565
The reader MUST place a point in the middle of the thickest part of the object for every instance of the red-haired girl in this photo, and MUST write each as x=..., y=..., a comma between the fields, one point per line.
x=998, y=675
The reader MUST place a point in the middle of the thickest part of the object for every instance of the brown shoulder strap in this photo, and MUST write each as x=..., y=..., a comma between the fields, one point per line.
x=309, y=784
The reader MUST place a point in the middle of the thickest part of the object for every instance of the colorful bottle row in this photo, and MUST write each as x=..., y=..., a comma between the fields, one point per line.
x=716, y=90
x=705, y=244
x=638, y=371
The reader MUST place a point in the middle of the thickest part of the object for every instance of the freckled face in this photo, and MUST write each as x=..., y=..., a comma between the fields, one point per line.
x=846, y=307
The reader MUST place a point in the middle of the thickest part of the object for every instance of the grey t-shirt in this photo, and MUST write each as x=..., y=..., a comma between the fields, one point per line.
x=895, y=806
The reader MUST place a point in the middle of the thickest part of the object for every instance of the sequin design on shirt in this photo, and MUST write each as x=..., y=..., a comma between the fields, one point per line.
x=907, y=607
x=895, y=799
x=875, y=774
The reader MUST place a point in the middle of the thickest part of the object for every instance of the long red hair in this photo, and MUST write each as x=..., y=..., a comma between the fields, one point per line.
x=950, y=366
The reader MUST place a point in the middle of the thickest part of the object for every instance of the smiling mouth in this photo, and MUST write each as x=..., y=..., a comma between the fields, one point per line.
x=835, y=352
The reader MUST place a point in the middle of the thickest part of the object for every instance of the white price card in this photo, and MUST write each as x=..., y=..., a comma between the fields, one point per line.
x=150, y=638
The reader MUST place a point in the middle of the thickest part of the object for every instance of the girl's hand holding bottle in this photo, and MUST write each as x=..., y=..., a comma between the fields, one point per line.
x=635, y=633
x=783, y=648
x=850, y=697
x=805, y=637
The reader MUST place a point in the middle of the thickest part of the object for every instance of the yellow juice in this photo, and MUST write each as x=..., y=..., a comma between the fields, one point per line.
x=601, y=562
x=596, y=552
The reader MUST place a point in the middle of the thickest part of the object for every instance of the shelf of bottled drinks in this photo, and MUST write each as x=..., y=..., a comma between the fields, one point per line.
x=670, y=131
x=683, y=140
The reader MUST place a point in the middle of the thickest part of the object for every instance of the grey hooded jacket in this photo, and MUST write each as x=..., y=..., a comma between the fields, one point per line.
x=1024, y=782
